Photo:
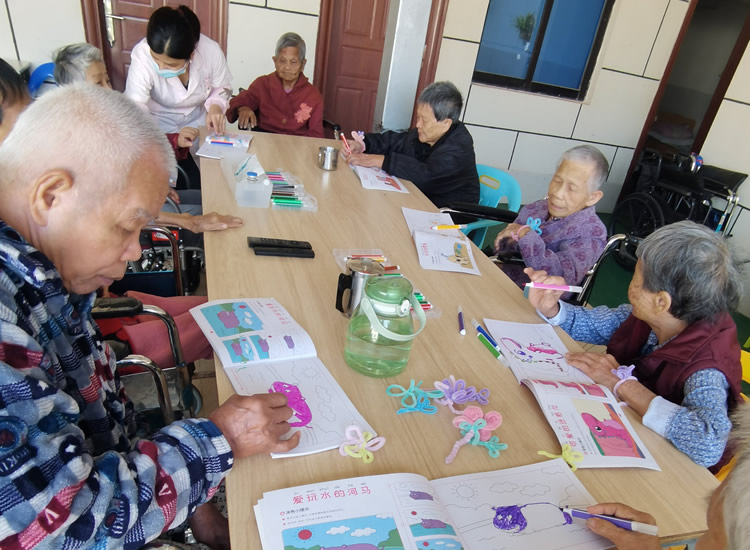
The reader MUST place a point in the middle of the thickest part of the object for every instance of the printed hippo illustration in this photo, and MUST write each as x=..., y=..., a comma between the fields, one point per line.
x=229, y=319
x=263, y=343
x=613, y=439
x=433, y=524
x=420, y=495
x=295, y=401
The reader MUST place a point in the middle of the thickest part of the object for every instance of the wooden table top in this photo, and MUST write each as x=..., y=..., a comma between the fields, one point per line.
x=350, y=217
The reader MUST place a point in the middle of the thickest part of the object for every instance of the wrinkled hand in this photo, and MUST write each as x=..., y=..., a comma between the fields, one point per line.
x=545, y=301
x=624, y=540
x=172, y=194
x=187, y=136
x=363, y=159
x=506, y=233
x=212, y=222
x=215, y=120
x=247, y=119
x=254, y=424
x=355, y=146
x=598, y=366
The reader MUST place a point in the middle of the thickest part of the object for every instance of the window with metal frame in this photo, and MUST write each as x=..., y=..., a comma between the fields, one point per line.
x=544, y=46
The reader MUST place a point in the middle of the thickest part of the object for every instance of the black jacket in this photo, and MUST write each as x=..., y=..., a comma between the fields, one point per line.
x=445, y=172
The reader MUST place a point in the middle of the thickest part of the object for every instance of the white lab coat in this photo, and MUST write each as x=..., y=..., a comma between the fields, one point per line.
x=167, y=99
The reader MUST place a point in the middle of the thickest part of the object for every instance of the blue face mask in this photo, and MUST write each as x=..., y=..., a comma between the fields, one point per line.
x=170, y=73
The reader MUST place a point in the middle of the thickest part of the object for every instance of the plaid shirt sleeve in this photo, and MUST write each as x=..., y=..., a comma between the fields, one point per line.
x=69, y=475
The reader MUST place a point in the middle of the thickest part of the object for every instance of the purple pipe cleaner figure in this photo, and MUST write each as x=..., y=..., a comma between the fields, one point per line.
x=457, y=392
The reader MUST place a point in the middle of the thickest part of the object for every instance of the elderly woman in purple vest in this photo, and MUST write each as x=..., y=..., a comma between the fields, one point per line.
x=569, y=236
x=676, y=331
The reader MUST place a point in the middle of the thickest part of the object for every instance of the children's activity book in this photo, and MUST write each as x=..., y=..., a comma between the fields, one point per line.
x=263, y=350
x=375, y=178
x=582, y=414
x=515, y=508
x=441, y=250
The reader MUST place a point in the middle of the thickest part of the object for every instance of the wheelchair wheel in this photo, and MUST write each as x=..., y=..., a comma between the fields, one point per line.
x=638, y=215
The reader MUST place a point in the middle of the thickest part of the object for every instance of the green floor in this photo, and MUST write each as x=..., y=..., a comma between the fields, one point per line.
x=611, y=287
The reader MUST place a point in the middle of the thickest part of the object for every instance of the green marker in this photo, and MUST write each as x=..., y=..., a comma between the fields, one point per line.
x=486, y=343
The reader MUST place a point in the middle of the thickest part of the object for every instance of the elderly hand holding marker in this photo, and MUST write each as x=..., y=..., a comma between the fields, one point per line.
x=625, y=540
x=545, y=301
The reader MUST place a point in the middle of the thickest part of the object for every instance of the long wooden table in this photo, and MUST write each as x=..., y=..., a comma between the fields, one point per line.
x=351, y=217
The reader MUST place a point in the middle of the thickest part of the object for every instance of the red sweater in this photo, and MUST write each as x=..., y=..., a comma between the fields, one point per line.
x=298, y=112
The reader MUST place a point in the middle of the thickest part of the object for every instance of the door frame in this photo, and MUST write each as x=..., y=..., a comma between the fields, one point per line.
x=433, y=41
x=713, y=107
x=93, y=21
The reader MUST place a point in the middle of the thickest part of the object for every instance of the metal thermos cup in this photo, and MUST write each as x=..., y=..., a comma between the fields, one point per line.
x=328, y=157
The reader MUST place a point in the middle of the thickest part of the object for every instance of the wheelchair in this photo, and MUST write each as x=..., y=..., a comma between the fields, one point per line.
x=670, y=189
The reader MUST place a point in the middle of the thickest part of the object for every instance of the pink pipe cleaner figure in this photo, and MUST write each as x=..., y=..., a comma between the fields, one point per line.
x=295, y=401
x=476, y=429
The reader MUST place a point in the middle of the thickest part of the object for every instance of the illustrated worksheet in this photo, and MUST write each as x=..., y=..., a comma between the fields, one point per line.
x=262, y=350
x=375, y=178
x=441, y=252
x=512, y=509
x=582, y=414
x=421, y=220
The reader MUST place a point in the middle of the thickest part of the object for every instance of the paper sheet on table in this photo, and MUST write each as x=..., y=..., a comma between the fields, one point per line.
x=218, y=147
x=423, y=221
x=441, y=252
x=534, y=351
x=375, y=178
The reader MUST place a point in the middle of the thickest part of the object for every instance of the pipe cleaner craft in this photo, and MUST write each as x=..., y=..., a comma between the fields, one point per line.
x=360, y=445
x=476, y=429
x=456, y=392
x=414, y=399
x=568, y=455
x=535, y=224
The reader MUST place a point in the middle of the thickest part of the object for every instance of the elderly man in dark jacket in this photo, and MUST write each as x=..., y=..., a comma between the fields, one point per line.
x=437, y=155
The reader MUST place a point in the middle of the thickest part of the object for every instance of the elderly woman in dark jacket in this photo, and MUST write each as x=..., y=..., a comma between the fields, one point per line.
x=676, y=332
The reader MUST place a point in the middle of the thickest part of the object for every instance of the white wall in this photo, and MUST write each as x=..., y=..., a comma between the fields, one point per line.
x=39, y=28
x=255, y=28
x=525, y=133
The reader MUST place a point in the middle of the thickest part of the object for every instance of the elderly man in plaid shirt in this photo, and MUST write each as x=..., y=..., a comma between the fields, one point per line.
x=81, y=173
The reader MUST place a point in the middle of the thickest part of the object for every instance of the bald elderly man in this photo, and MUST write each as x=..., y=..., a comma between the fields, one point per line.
x=70, y=475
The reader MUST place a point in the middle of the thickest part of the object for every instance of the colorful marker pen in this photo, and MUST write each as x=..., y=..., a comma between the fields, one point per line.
x=629, y=525
x=564, y=288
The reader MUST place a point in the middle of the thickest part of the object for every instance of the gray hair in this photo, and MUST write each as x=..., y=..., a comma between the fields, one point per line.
x=72, y=62
x=588, y=154
x=292, y=40
x=736, y=491
x=444, y=99
x=93, y=133
x=695, y=267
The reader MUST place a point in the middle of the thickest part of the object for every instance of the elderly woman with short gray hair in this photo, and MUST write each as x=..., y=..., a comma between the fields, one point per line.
x=284, y=101
x=437, y=155
x=676, y=334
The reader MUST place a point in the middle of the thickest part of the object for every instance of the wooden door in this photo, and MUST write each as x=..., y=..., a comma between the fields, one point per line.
x=130, y=21
x=353, y=46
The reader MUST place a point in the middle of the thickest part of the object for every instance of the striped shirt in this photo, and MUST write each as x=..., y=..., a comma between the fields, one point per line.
x=70, y=474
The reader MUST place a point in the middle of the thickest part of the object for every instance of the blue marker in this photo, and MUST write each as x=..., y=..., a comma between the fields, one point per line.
x=629, y=525
x=480, y=330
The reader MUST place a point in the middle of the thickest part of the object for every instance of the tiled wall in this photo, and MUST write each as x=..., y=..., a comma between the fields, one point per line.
x=526, y=133
x=38, y=28
x=254, y=28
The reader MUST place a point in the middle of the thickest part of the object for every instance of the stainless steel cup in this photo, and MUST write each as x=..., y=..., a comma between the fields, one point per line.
x=328, y=157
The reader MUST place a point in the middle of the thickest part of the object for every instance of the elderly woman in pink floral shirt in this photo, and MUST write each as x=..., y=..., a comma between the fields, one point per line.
x=283, y=102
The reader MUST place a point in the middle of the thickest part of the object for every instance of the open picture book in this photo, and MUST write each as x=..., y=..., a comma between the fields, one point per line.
x=262, y=350
x=582, y=414
x=440, y=250
x=515, y=508
x=380, y=180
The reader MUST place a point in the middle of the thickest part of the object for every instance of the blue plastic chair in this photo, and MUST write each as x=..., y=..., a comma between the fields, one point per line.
x=43, y=73
x=494, y=184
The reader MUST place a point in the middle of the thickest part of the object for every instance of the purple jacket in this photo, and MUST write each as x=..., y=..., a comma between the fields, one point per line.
x=567, y=247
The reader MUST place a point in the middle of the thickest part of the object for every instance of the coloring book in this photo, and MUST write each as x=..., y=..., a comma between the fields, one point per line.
x=375, y=178
x=262, y=350
x=515, y=508
x=582, y=414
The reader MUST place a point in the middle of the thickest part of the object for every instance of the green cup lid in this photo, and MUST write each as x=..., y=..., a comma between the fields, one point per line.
x=388, y=290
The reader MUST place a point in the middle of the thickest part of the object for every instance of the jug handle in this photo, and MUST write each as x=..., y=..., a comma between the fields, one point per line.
x=345, y=281
x=374, y=321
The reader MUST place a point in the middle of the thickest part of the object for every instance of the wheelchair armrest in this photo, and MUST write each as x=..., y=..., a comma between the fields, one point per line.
x=109, y=308
x=484, y=212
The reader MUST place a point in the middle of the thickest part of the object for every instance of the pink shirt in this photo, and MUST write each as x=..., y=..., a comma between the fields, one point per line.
x=174, y=106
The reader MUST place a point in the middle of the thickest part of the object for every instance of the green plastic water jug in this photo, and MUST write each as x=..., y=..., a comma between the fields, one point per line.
x=381, y=331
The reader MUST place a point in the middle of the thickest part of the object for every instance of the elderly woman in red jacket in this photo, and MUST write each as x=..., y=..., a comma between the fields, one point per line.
x=283, y=102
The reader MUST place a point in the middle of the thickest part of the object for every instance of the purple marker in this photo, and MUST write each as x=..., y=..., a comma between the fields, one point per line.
x=461, y=328
x=637, y=526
